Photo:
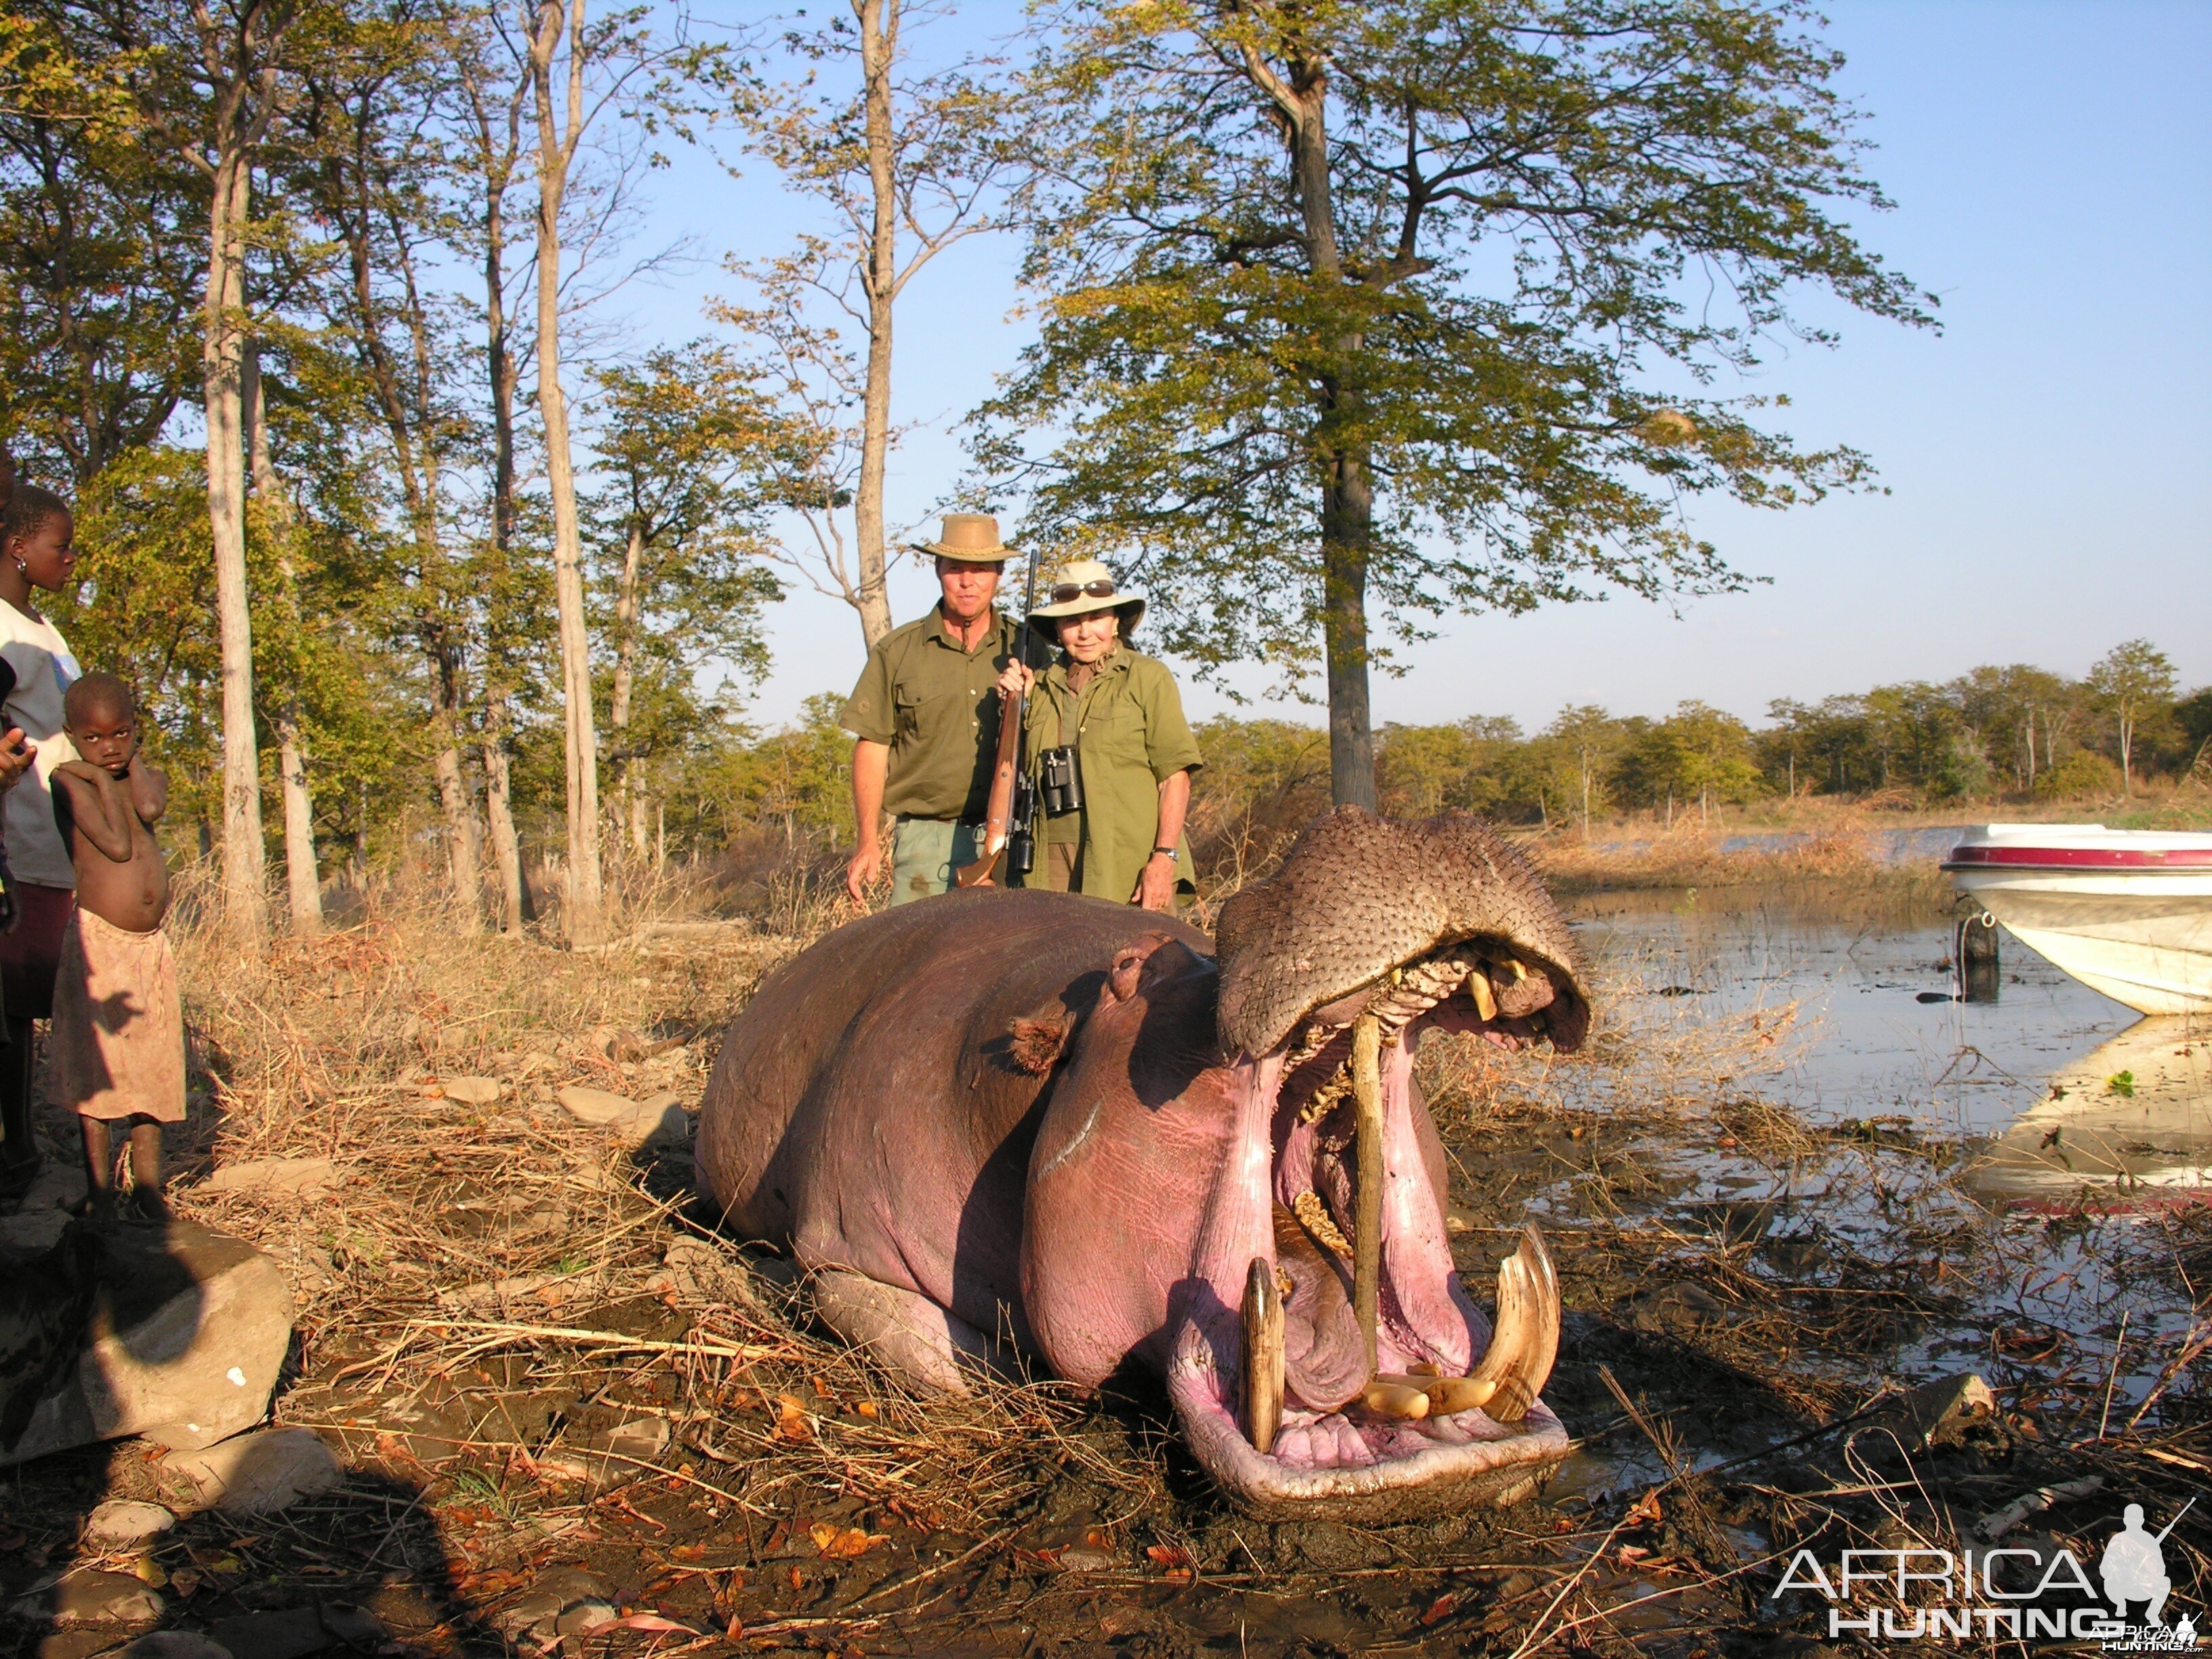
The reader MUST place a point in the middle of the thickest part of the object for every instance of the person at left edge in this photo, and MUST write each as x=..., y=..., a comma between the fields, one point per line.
x=925, y=721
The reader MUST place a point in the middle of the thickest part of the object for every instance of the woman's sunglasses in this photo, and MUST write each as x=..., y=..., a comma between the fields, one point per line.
x=1068, y=592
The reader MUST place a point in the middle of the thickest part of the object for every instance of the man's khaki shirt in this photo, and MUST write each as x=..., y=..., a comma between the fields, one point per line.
x=937, y=707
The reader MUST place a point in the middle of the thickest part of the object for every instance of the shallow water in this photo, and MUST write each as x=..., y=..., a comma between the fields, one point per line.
x=1879, y=1033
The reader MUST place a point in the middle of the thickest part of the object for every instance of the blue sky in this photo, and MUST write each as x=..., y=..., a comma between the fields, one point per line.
x=2045, y=456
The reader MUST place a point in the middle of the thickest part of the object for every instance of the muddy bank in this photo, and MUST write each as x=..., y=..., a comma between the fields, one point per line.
x=564, y=1400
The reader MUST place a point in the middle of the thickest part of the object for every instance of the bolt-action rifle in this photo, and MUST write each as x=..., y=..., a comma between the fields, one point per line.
x=1009, y=821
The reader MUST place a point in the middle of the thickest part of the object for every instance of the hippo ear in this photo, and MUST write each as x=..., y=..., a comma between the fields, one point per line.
x=1037, y=1041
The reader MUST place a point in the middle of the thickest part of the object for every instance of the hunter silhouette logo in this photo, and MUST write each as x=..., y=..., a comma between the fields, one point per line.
x=2014, y=1592
x=2134, y=1568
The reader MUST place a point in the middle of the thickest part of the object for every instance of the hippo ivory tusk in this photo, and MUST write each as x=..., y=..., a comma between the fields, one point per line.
x=1478, y=986
x=1449, y=1395
x=1524, y=1341
x=1394, y=1397
x=1367, y=1212
x=1263, y=1355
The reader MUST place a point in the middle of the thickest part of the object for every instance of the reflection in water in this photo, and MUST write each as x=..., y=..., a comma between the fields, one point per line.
x=2135, y=1112
x=2060, y=1086
x=1962, y=1068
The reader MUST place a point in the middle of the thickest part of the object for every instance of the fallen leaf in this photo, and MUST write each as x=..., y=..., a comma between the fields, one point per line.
x=791, y=1418
x=184, y=1581
x=148, y=1570
x=1646, y=1512
x=647, y=1621
x=865, y=1408
x=1632, y=1553
x=796, y=1583
x=688, y=1552
x=1442, y=1608
x=842, y=1543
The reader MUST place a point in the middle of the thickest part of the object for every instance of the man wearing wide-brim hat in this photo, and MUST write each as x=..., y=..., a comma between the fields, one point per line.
x=1115, y=716
x=925, y=721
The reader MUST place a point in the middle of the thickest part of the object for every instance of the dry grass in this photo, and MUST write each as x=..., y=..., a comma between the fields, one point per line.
x=1825, y=869
x=525, y=1341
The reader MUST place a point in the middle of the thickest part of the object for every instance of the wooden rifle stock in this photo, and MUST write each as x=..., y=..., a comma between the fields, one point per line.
x=998, y=816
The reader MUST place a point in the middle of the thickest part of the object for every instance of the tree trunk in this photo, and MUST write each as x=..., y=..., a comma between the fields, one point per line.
x=1347, y=509
x=627, y=600
x=515, y=906
x=879, y=23
x=303, y=881
x=461, y=840
x=1347, y=513
x=221, y=349
x=585, y=915
x=515, y=909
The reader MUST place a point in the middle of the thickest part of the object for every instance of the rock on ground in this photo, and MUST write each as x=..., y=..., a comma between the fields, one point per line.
x=183, y=1335
x=91, y=1598
x=59, y=1185
x=285, y=1175
x=123, y=1521
x=285, y=1635
x=659, y=1118
x=539, y=1611
x=606, y=1458
x=173, y=1644
x=255, y=1474
x=471, y=1090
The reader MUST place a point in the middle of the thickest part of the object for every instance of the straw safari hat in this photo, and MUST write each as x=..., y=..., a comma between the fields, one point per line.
x=1082, y=585
x=973, y=536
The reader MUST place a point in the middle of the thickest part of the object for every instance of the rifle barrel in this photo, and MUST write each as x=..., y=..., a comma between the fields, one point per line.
x=2176, y=1521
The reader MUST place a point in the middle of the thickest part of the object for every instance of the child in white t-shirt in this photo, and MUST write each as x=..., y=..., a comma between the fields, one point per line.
x=36, y=531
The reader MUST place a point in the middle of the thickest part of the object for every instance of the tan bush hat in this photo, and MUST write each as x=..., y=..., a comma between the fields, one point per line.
x=1082, y=585
x=970, y=536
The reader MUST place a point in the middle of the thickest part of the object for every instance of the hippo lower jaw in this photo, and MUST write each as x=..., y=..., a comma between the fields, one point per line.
x=1283, y=1214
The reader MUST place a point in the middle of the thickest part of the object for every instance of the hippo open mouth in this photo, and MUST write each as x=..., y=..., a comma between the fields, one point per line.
x=1325, y=1358
x=1030, y=1123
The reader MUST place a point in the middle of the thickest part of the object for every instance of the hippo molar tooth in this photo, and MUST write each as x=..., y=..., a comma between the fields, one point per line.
x=1313, y=1215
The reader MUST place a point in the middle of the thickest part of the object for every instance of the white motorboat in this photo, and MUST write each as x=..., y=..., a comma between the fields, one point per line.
x=2127, y=912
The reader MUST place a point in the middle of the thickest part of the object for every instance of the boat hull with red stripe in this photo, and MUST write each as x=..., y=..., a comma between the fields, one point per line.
x=2127, y=912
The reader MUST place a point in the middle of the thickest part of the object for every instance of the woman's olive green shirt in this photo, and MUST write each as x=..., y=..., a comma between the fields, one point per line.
x=1129, y=729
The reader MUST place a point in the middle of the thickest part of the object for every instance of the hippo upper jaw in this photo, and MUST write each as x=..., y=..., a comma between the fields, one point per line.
x=1359, y=897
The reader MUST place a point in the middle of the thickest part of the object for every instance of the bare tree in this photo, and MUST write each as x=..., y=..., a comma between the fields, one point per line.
x=493, y=103
x=926, y=158
x=579, y=72
x=303, y=883
x=374, y=159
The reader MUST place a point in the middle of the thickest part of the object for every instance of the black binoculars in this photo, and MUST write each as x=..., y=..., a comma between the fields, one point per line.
x=1060, y=781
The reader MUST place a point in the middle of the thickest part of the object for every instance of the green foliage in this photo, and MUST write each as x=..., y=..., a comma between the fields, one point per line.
x=1697, y=754
x=2081, y=773
x=1418, y=365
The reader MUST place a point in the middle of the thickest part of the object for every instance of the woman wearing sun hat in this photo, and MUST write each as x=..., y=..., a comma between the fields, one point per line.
x=1113, y=716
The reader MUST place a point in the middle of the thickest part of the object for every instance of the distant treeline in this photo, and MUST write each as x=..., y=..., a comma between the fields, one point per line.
x=2013, y=732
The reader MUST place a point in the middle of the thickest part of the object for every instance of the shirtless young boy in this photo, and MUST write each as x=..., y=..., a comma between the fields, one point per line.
x=116, y=1054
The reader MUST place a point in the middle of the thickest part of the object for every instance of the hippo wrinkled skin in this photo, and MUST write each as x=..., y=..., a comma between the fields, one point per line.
x=1002, y=1123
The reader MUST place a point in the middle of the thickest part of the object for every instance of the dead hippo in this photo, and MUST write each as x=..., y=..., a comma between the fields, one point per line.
x=1024, y=1118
